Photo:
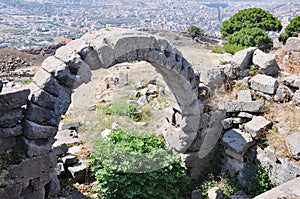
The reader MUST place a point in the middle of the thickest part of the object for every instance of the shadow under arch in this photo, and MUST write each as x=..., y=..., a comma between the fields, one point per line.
x=72, y=64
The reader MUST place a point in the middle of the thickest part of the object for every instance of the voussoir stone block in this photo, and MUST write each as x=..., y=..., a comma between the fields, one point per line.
x=11, y=131
x=42, y=115
x=60, y=71
x=35, y=148
x=47, y=100
x=47, y=82
x=36, y=131
x=20, y=98
x=32, y=168
x=7, y=143
x=11, y=116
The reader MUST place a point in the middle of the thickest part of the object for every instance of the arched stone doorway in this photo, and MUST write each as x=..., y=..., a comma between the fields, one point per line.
x=71, y=66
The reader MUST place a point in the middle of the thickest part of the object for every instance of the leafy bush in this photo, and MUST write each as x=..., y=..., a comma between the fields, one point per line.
x=251, y=37
x=250, y=18
x=229, y=48
x=122, y=109
x=260, y=182
x=195, y=31
x=137, y=165
x=292, y=30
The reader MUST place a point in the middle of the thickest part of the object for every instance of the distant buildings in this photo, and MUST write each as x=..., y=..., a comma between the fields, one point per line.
x=50, y=20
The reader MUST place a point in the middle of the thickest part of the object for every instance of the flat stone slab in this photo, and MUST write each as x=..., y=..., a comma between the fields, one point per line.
x=264, y=83
x=20, y=98
x=257, y=125
x=237, y=140
x=244, y=96
x=69, y=159
x=293, y=143
x=235, y=106
x=67, y=137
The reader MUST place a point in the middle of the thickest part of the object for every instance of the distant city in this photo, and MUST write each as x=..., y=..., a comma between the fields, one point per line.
x=30, y=23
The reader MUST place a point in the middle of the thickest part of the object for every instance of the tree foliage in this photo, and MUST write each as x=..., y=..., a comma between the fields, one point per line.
x=251, y=37
x=292, y=30
x=195, y=31
x=250, y=18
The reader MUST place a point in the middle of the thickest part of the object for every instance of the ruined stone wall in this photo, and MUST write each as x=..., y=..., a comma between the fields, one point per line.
x=27, y=134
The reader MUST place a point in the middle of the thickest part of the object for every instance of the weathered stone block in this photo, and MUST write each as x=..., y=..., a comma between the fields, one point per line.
x=257, y=125
x=53, y=188
x=283, y=94
x=36, y=131
x=60, y=71
x=292, y=142
x=264, y=83
x=78, y=171
x=32, y=168
x=11, y=132
x=293, y=44
x=7, y=143
x=237, y=140
x=212, y=76
x=34, y=148
x=266, y=63
x=11, y=116
x=296, y=97
x=20, y=98
x=292, y=81
x=229, y=123
x=237, y=106
x=69, y=159
x=42, y=115
x=243, y=58
x=211, y=135
x=45, y=99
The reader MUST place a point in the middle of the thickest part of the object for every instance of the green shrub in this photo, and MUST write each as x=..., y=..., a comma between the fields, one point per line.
x=260, y=181
x=122, y=109
x=251, y=37
x=195, y=31
x=137, y=165
x=292, y=30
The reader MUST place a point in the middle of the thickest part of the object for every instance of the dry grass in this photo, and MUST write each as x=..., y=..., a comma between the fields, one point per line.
x=287, y=113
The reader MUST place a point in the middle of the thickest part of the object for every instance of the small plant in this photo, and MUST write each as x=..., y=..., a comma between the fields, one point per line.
x=137, y=165
x=27, y=81
x=253, y=71
x=223, y=63
x=260, y=181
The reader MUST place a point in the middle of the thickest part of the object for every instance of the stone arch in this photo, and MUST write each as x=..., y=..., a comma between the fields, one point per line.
x=72, y=64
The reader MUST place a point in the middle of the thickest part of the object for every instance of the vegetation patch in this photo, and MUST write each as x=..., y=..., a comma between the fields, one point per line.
x=229, y=48
x=137, y=165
